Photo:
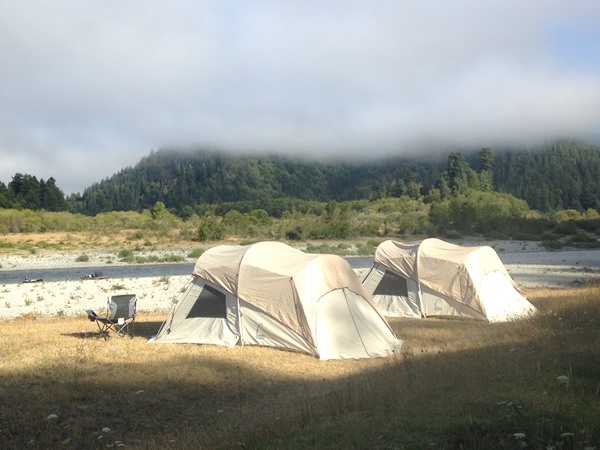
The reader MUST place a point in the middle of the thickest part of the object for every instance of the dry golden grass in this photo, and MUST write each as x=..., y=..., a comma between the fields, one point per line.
x=458, y=384
x=92, y=240
x=118, y=239
x=59, y=366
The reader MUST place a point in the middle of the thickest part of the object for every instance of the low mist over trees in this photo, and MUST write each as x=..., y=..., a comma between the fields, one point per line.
x=560, y=176
x=180, y=179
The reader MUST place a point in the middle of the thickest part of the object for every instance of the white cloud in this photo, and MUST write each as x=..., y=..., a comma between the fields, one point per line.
x=107, y=81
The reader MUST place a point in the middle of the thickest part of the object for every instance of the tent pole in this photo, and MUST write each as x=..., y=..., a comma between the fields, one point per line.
x=239, y=320
x=420, y=300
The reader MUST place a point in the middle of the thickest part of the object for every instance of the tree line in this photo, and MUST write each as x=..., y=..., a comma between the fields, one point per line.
x=560, y=176
x=27, y=192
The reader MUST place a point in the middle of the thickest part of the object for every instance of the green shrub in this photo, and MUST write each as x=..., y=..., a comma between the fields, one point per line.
x=581, y=237
x=366, y=249
x=327, y=249
x=147, y=259
x=136, y=236
x=195, y=253
x=567, y=228
x=82, y=258
x=531, y=228
x=589, y=245
x=582, y=240
x=210, y=229
x=248, y=241
x=452, y=234
x=173, y=258
x=295, y=234
x=567, y=215
x=126, y=255
x=550, y=236
x=553, y=244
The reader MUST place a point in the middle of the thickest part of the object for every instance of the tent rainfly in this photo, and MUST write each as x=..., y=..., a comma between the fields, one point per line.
x=271, y=294
x=436, y=278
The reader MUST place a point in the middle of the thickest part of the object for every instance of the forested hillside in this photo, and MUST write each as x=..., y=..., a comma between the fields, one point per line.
x=563, y=175
x=560, y=176
x=194, y=179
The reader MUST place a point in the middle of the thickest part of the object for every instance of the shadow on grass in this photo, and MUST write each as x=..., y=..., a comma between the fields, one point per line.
x=144, y=330
x=452, y=389
x=147, y=329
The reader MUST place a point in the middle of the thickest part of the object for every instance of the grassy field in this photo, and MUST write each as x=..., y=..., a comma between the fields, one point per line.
x=119, y=242
x=457, y=385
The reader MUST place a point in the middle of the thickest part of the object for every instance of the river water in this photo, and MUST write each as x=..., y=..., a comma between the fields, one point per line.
x=583, y=259
x=124, y=271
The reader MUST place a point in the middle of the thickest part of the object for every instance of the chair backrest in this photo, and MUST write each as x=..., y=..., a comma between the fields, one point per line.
x=122, y=306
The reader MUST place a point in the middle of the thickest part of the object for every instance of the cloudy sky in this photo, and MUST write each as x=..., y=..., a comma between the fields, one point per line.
x=90, y=87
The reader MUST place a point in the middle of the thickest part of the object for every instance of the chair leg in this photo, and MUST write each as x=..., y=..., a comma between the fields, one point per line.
x=103, y=328
x=125, y=329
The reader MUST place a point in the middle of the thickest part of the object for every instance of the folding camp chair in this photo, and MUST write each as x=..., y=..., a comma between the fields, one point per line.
x=120, y=316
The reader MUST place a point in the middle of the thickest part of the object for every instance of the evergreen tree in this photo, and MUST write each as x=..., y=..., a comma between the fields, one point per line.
x=458, y=174
x=51, y=197
x=486, y=160
x=26, y=191
x=6, y=200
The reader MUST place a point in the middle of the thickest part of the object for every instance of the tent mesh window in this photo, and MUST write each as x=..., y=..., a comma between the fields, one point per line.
x=391, y=284
x=210, y=303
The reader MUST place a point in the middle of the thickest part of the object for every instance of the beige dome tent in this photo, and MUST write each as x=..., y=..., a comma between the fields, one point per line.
x=273, y=295
x=436, y=278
